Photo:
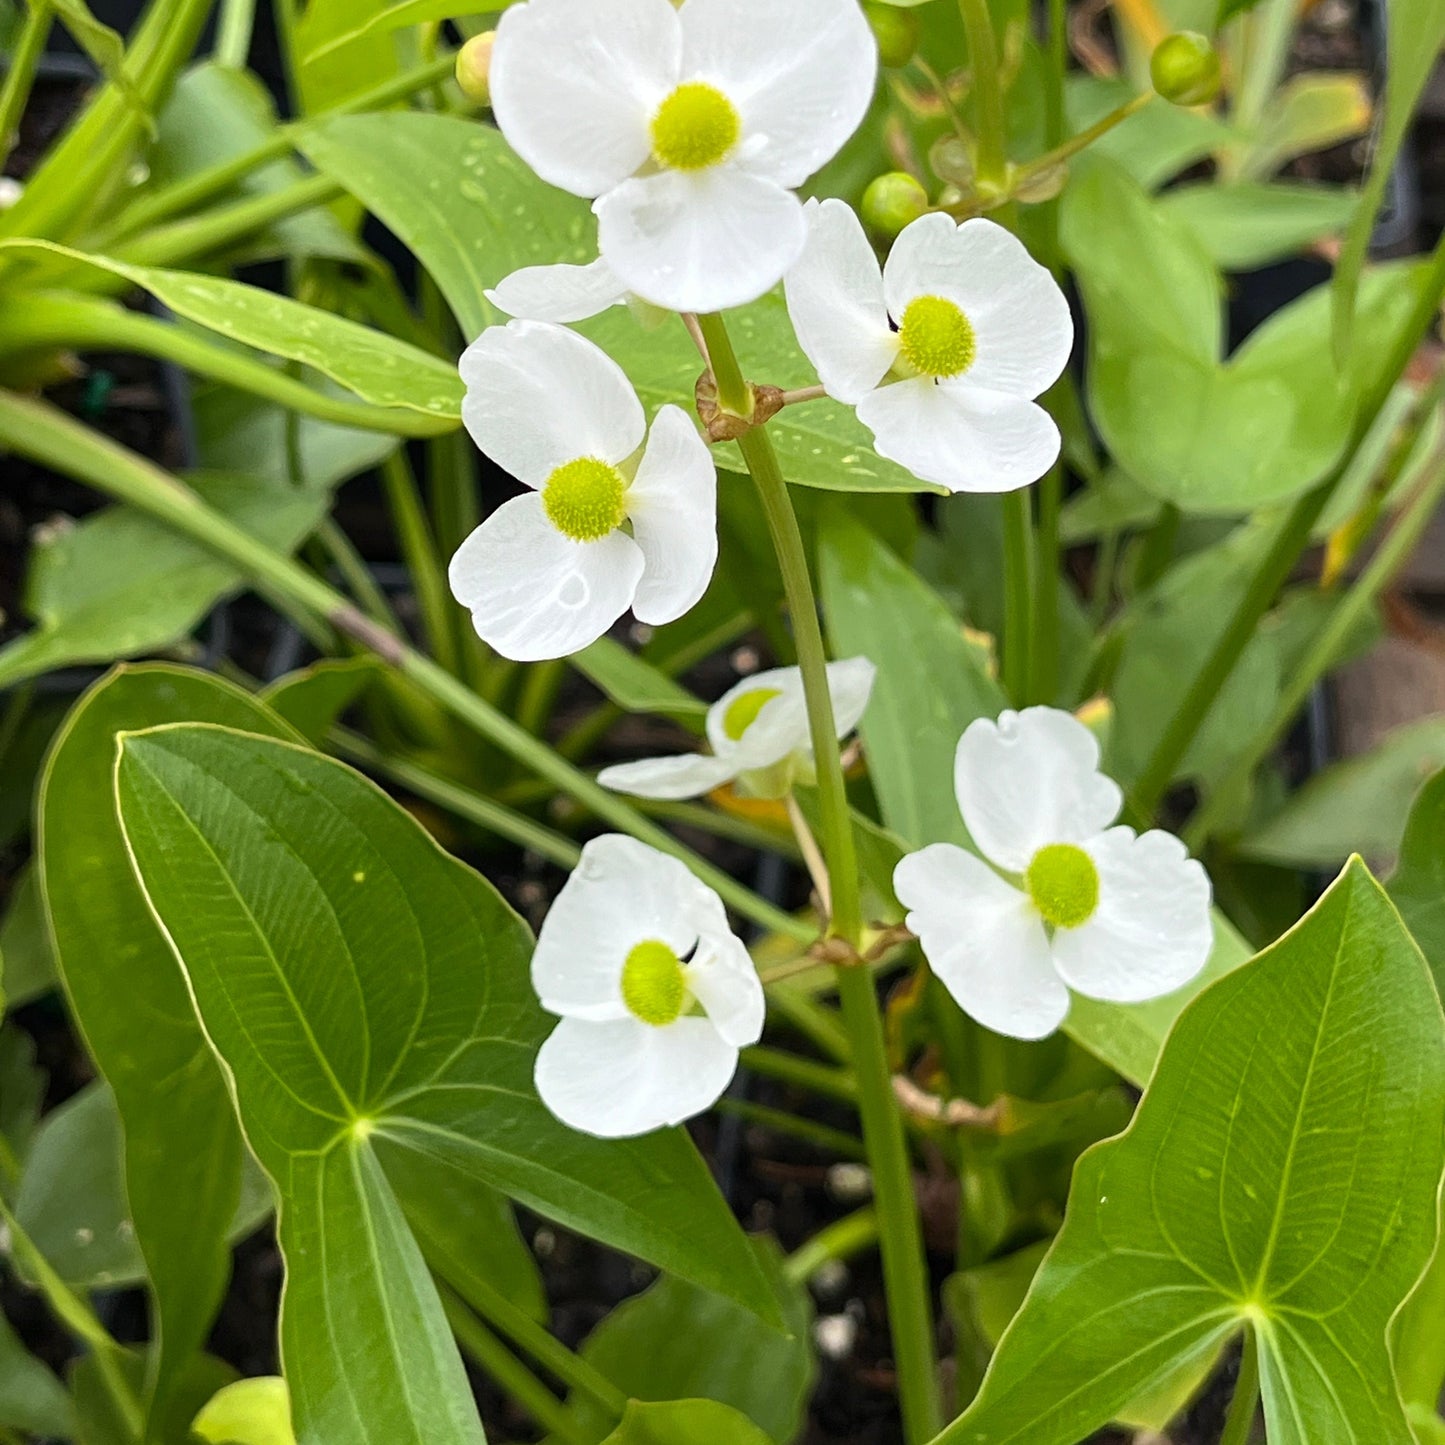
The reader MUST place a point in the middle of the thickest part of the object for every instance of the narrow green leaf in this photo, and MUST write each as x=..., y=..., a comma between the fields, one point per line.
x=635, y=684
x=684, y=1422
x=1249, y=223
x=31, y=1398
x=28, y=959
x=182, y=1147
x=313, y=699
x=1418, y=885
x=249, y=1412
x=1281, y=1173
x=369, y=996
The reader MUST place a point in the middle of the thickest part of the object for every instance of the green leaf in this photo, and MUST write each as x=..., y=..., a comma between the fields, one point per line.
x=1418, y=885
x=104, y=46
x=325, y=77
x=389, y=984
x=31, y=1398
x=1308, y=113
x=472, y=213
x=684, y=1422
x=1210, y=436
x=72, y=1196
x=408, y=12
x=1356, y=806
x=379, y=368
x=183, y=1151
x=27, y=961
x=22, y=1090
x=931, y=683
x=1248, y=223
x=249, y=1412
x=677, y=1342
x=313, y=698
x=635, y=684
x=1281, y=1173
x=120, y=583
x=1151, y=147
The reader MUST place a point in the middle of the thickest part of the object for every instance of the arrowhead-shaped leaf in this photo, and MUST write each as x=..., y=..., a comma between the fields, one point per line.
x=1281, y=1172
x=369, y=997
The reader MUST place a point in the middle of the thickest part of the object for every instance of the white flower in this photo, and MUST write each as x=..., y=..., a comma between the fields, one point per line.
x=943, y=351
x=655, y=993
x=559, y=293
x=689, y=125
x=759, y=735
x=548, y=573
x=1084, y=906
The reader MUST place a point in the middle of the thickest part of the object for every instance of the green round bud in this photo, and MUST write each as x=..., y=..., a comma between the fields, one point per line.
x=896, y=32
x=891, y=202
x=1185, y=69
x=474, y=66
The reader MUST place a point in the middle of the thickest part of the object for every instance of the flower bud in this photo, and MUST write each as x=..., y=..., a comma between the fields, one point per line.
x=474, y=65
x=896, y=32
x=1185, y=69
x=891, y=202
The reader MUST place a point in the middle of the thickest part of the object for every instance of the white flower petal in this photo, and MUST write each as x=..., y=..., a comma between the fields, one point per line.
x=574, y=84
x=623, y=1078
x=777, y=729
x=959, y=436
x=673, y=506
x=700, y=241
x=1151, y=932
x=620, y=894
x=535, y=594
x=835, y=300
x=921, y=261
x=1028, y=780
x=558, y=293
x=689, y=775
x=984, y=941
x=801, y=72
x=850, y=684
x=725, y=982
x=540, y=396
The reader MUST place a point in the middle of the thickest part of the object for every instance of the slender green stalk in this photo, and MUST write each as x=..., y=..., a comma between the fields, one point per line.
x=1018, y=592
x=571, y=1369
x=1067, y=149
x=193, y=190
x=723, y=824
x=1158, y=550
x=821, y=1136
x=214, y=230
x=1239, y=1423
x=1291, y=538
x=233, y=34
x=355, y=573
x=40, y=431
x=419, y=551
x=1043, y=667
x=991, y=163
x=840, y=1240
x=905, y=1275
x=506, y=1370
x=1393, y=553
x=805, y=1073
x=539, y=694
x=20, y=76
x=89, y=323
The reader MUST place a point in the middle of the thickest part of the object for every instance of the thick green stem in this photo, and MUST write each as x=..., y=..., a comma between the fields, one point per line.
x=1291, y=538
x=20, y=75
x=992, y=161
x=1239, y=1423
x=1393, y=553
x=85, y=323
x=905, y=1274
x=37, y=430
x=1018, y=592
x=505, y=1369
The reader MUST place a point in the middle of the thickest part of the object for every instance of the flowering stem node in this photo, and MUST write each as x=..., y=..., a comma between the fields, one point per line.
x=724, y=425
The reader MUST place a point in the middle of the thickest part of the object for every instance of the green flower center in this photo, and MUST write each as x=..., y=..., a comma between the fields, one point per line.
x=583, y=500
x=653, y=986
x=1064, y=885
x=936, y=338
x=695, y=127
x=743, y=711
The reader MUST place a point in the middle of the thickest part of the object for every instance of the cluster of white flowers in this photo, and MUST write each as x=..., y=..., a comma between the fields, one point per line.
x=690, y=125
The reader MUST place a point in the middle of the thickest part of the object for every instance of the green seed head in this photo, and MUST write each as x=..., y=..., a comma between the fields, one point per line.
x=743, y=711
x=695, y=127
x=1064, y=885
x=896, y=31
x=936, y=338
x=1185, y=69
x=891, y=202
x=583, y=500
x=653, y=986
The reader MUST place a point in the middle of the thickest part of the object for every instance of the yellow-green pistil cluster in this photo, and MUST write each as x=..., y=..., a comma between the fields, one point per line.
x=743, y=711
x=583, y=499
x=1064, y=885
x=653, y=985
x=935, y=338
x=695, y=127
